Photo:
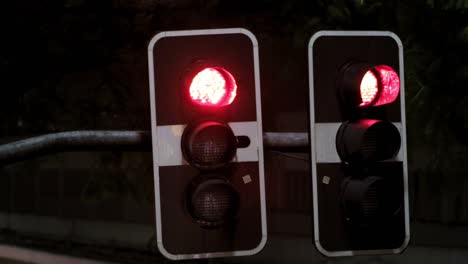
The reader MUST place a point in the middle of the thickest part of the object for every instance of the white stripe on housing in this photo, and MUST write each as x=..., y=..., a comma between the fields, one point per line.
x=325, y=146
x=169, y=141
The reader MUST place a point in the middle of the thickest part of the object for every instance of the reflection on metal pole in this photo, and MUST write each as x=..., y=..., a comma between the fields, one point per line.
x=119, y=141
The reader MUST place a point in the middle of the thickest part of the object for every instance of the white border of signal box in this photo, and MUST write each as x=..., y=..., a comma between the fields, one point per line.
x=324, y=151
x=164, y=154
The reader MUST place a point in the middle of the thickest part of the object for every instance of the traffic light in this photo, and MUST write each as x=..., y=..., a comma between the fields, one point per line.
x=358, y=143
x=207, y=143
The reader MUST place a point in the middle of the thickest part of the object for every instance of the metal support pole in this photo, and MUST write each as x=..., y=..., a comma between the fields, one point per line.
x=119, y=141
x=287, y=141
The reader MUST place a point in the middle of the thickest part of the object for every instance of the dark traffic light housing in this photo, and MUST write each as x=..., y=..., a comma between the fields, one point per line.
x=358, y=143
x=207, y=143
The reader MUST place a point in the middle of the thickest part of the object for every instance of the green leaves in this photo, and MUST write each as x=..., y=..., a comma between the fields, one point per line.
x=462, y=35
x=448, y=4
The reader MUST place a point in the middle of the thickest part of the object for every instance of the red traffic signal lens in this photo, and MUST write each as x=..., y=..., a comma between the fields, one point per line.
x=363, y=85
x=390, y=84
x=379, y=85
x=213, y=86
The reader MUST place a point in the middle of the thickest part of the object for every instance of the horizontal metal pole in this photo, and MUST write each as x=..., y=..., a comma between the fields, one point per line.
x=290, y=141
x=118, y=141
x=74, y=141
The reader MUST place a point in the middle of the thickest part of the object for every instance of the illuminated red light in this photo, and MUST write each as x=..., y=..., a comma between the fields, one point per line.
x=369, y=88
x=382, y=82
x=390, y=84
x=213, y=86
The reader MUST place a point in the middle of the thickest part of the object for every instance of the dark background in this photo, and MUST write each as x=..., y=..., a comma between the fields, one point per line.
x=82, y=64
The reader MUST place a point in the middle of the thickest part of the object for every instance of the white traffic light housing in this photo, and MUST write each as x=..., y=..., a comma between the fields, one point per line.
x=207, y=143
x=358, y=143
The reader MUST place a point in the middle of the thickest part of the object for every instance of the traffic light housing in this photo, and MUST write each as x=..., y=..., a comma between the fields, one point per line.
x=358, y=143
x=207, y=143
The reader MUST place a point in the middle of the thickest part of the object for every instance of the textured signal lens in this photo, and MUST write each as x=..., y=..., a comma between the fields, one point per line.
x=213, y=201
x=390, y=84
x=208, y=145
x=380, y=85
x=368, y=201
x=367, y=140
x=213, y=86
x=369, y=88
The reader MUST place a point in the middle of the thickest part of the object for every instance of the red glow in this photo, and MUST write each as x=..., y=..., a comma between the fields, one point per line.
x=381, y=78
x=369, y=88
x=213, y=87
x=368, y=122
x=390, y=84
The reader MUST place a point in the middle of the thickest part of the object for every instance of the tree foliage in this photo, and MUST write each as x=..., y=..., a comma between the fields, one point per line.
x=448, y=4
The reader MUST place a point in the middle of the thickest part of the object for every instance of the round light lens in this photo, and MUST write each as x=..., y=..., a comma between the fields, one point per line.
x=367, y=140
x=369, y=201
x=379, y=85
x=365, y=85
x=213, y=202
x=208, y=145
x=213, y=86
